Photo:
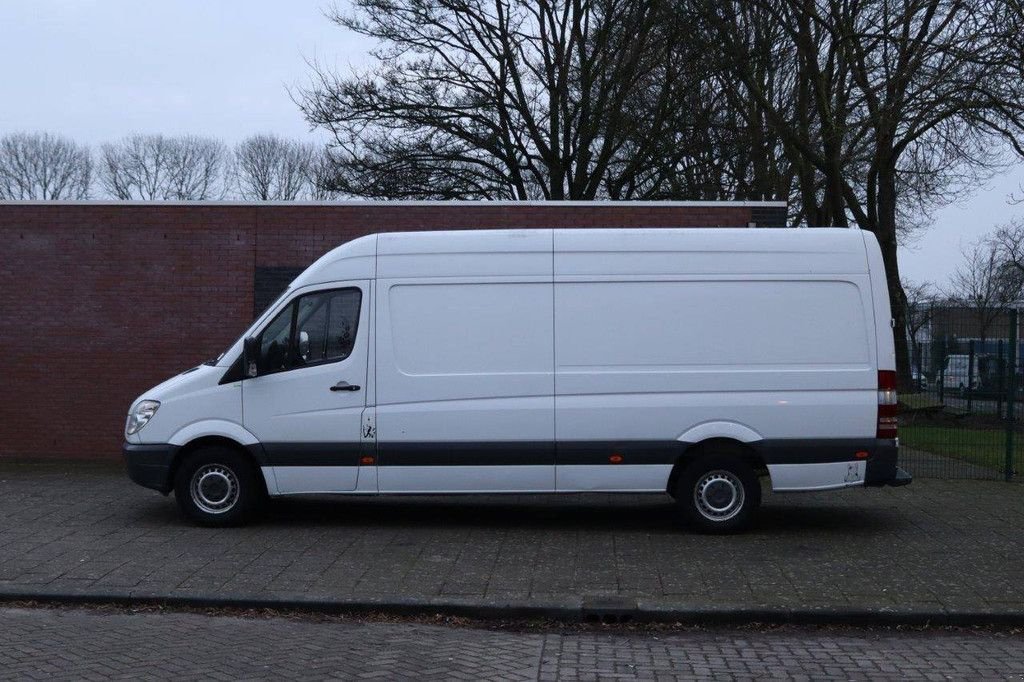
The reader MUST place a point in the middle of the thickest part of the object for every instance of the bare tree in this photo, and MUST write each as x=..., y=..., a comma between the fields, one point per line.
x=268, y=167
x=866, y=112
x=983, y=284
x=1008, y=240
x=321, y=176
x=920, y=302
x=156, y=167
x=1015, y=199
x=514, y=99
x=900, y=104
x=44, y=167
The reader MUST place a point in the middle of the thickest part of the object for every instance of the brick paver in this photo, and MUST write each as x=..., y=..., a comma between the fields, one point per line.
x=83, y=645
x=939, y=545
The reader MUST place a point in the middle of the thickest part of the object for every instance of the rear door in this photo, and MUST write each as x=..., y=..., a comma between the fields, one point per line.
x=307, y=403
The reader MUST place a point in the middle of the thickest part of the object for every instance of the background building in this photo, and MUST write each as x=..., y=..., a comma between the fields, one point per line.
x=99, y=301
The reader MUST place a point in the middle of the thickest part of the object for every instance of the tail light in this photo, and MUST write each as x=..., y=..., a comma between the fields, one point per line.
x=887, y=401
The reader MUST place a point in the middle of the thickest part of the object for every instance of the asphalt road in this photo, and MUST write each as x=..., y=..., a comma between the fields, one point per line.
x=96, y=644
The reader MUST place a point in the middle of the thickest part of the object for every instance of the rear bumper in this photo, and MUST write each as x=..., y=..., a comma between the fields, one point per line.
x=882, y=468
x=149, y=465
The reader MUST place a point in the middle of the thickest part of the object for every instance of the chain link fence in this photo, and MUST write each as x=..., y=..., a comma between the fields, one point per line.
x=964, y=418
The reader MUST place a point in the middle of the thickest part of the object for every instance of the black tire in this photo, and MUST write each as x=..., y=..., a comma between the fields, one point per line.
x=218, y=486
x=718, y=481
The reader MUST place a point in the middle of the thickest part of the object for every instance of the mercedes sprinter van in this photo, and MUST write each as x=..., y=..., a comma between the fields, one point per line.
x=687, y=362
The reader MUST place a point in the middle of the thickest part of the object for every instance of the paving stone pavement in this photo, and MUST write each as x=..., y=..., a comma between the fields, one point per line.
x=935, y=545
x=85, y=645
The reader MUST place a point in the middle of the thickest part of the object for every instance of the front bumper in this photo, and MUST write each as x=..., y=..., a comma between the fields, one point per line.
x=881, y=466
x=149, y=465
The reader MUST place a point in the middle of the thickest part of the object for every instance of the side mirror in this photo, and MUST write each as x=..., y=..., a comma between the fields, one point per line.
x=250, y=354
x=304, y=346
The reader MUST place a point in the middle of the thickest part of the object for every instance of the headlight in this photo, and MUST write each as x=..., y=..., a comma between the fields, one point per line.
x=141, y=415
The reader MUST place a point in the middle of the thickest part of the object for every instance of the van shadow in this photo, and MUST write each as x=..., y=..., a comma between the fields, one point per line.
x=529, y=512
x=657, y=515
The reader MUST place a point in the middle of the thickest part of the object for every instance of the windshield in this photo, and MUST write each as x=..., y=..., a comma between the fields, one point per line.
x=257, y=322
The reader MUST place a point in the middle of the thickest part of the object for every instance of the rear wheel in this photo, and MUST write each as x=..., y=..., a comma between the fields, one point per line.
x=718, y=493
x=217, y=486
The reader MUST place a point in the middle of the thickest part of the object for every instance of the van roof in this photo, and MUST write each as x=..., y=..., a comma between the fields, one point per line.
x=641, y=251
x=805, y=240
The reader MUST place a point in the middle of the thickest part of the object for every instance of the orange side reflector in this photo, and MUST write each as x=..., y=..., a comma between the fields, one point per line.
x=366, y=460
x=861, y=455
x=615, y=459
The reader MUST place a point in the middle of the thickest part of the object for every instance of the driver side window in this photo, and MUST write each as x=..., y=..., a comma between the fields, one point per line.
x=313, y=329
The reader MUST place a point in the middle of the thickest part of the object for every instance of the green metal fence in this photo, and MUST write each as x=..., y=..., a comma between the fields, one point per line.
x=965, y=418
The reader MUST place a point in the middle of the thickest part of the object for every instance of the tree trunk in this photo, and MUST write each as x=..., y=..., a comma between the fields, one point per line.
x=899, y=314
x=886, y=233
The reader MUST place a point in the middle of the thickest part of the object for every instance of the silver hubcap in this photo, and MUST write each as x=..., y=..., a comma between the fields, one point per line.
x=718, y=495
x=214, y=488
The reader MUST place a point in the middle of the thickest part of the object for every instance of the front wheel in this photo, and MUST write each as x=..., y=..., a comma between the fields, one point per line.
x=718, y=493
x=217, y=486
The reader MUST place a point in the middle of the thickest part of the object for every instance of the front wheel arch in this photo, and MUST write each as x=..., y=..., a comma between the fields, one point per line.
x=218, y=441
x=218, y=485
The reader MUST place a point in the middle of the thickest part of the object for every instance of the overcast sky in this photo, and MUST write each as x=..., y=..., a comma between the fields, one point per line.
x=99, y=69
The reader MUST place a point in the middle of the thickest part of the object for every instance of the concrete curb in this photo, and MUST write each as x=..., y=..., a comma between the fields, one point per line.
x=570, y=610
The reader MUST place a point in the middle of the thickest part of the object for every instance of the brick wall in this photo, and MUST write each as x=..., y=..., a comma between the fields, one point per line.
x=100, y=301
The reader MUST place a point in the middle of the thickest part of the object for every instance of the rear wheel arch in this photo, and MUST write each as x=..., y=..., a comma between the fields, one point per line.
x=725, y=446
x=716, y=486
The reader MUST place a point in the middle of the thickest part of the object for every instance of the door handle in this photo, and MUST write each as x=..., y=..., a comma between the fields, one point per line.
x=344, y=386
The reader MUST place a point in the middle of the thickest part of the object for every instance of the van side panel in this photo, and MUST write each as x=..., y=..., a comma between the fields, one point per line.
x=714, y=343
x=493, y=375
x=705, y=334
x=464, y=376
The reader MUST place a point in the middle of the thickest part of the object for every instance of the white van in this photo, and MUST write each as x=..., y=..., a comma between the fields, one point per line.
x=958, y=372
x=679, y=361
